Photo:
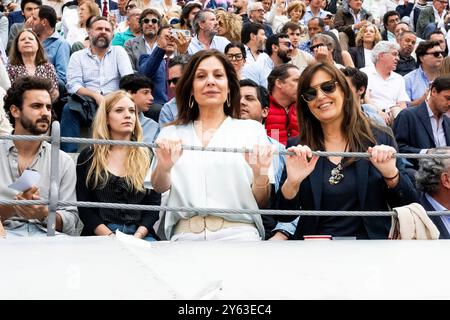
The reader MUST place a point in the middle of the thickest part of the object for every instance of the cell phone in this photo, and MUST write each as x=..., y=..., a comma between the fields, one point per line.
x=186, y=33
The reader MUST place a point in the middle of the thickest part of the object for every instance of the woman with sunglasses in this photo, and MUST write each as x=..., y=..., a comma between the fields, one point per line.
x=208, y=99
x=235, y=52
x=331, y=120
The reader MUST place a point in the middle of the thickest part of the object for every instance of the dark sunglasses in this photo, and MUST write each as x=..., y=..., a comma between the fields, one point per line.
x=326, y=87
x=173, y=80
x=316, y=46
x=147, y=21
x=437, y=54
x=237, y=56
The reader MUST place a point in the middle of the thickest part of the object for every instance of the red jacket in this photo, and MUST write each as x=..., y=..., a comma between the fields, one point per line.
x=281, y=125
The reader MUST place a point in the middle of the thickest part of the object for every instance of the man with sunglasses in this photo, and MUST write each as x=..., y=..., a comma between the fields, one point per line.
x=278, y=51
x=150, y=22
x=429, y=56
x=170, y=111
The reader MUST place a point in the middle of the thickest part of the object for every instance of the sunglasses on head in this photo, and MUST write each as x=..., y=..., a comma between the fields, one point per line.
x=173, y=80
x=153, y=20
x=326, y=87
x=437, y=54
x=237, y=56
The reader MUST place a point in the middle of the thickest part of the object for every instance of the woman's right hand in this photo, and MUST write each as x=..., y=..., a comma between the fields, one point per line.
x=168, y=152
x=298, y=166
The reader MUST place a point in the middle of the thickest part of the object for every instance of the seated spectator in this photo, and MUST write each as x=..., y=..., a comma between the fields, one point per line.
x=29, y=107
x=209, y=113
x=30, y=9
x=294, y=13
x=390, y=21
x=140, y=88
x=431, y=18
x=433, y=179
x=91, y=74
x=299, y=58
x=417, y=130
x=367, y=37
x=78, y=33
x=169, y=111
x=340, y=56
x=324, y=47
x=255, y=12
x=254, y=39
x=230, y=25
x=107, y=173
x=205, y=28
x=417, y=82
x=315, y=26
x=439, y=36
x=314, y=10
x=386, y=88
x=406, y=63
x=27, y=58
x=278, y=51
x=134, y=28
x=281, y=122
x=188, y=13
x=349, y=20
x=358, y=81
x=332, y=122
x=235, y=52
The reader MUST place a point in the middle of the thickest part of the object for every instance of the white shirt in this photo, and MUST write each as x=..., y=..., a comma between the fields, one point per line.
x=439, y=207
x=437, y=128
x=217, y=42
x=214, y=179
x=259, y=70
x=368, y=58
x=385, y=93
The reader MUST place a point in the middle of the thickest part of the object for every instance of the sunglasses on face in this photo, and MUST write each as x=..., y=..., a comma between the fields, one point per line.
x=153, y=20
x=437, y=54
x=316, y=46
x=327, y=88
x=237, y=56
x=173, y=80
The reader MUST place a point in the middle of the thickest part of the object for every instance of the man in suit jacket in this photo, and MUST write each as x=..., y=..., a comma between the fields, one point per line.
x=419, y=129
x=427, y=23
x=146, y=42
x=433, y=179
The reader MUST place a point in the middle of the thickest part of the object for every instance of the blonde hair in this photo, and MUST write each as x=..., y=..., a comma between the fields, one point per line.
x=232, y=24
x=94, y=10
x=296, y=5
x=138, y=160
x=360, y=35
x=444, y=69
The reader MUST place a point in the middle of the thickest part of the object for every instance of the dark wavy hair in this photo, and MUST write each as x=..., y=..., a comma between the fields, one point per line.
x=15, y=57
x=184, y=89
x=355, y=125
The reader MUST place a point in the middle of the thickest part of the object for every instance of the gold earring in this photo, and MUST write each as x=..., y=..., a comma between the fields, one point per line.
x=191, y=101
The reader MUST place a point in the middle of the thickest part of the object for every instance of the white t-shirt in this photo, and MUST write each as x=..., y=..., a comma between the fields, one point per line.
x=214, y=179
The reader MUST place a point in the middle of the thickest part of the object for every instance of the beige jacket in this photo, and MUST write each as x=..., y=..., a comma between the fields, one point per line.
x=412, y=223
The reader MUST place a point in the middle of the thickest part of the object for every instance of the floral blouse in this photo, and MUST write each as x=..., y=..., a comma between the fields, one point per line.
x=46, y=70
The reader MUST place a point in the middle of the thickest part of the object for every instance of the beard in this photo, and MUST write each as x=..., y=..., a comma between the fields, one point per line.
x=283, y=56
x=33, y=128
x=101, y=42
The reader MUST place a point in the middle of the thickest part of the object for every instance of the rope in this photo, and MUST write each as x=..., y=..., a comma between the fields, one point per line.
x=123, y=206
x=218, y=149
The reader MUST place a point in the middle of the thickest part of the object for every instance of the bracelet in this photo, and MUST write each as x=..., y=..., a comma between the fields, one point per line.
x=386, y=178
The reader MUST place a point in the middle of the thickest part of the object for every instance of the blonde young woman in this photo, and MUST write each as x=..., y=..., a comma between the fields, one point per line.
x=108, y=173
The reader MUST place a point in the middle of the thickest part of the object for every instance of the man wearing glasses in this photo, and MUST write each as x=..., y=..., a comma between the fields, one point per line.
x=429, y=56
x=278, y=51
x=431, y=18
x=150, y=22
x=255, y=13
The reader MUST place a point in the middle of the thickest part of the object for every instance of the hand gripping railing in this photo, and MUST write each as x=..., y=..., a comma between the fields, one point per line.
x=55, y=139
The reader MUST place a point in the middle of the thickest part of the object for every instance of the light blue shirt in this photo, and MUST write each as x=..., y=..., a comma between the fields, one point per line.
x=217, y=42
x=309, y=15
x=416, y=83
x=58, y=53
x=439, y=207
x=260, y=70
x=86, y=70
x=150, y=128
x=168, y=113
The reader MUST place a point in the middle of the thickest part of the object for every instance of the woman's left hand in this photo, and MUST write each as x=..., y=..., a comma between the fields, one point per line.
x=382, y=158
x=260, y=159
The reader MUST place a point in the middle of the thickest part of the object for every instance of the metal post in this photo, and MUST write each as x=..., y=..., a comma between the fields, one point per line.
x=54, y=178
